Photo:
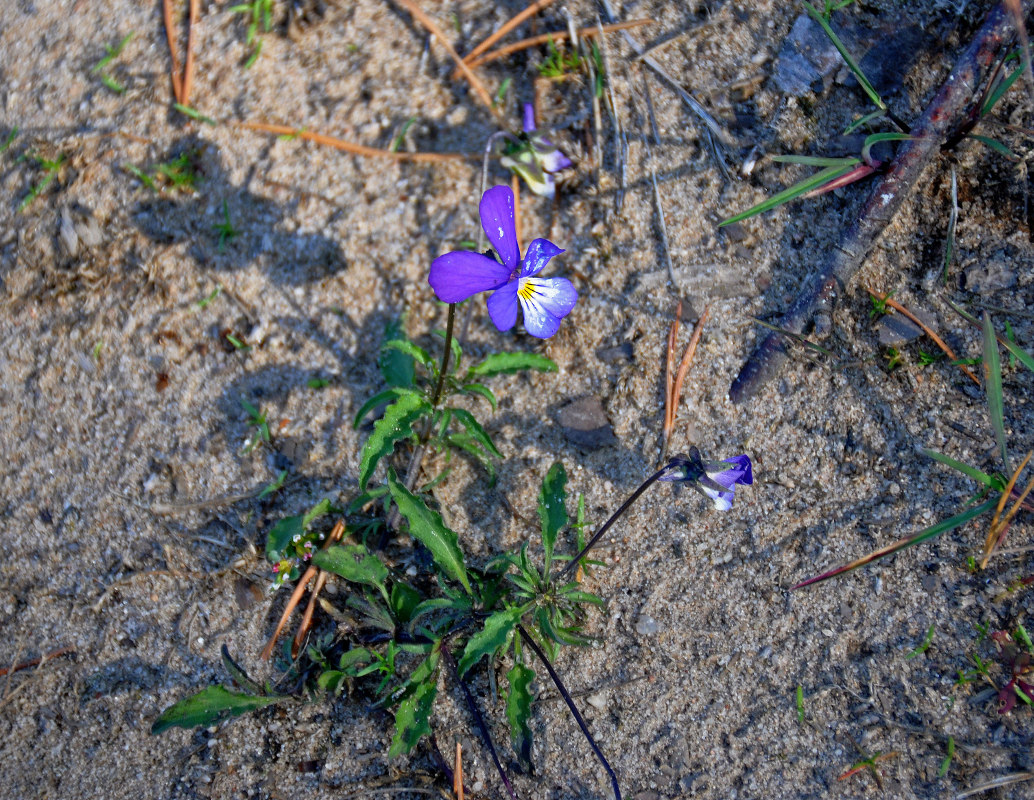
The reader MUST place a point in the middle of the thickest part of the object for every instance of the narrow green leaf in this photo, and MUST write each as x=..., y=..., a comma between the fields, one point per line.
x=1022, y=355
x=239, y=676
x=801, y=187
x=426, y=527
x=509, y=363
x=466, y=443
x=909, y=541
x=518, y=711
x=816, y=161
x=412, y=718
x=876, y=138
x=492, y=638
x=404, y=601
x=1000, y=90
x=993, y=388
x=474, y=428
x=552, y=510
x=867, y=87
x=209, y=706
x=354, y=563
x=965, y=469
x=395, y=426
x=995, y=145
x=398, y=368
x=483, y=391
x=281, y=534
x=865, y=119
x=413, y=351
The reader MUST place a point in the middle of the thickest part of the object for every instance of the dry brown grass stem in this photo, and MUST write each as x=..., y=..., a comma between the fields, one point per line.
x=883, y=298
x=504, y=29
x=559, y=36
x=356, y=149
x=474, y=80
x=673, y=382
x=457, y=773
x=32, y=662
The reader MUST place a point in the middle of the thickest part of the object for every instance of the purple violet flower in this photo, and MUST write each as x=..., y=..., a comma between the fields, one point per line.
x=715, y=479
x=461, y=274
x=535, y=158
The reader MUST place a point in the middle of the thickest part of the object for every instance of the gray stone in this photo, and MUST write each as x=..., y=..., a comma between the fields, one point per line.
x=585, y=423
x=987, y=278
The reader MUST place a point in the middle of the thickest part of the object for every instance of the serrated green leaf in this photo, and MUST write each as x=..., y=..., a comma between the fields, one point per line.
x=209, y=706
x=492, y=638
x=412, y=718
x=413, y=351
x=552, y=510
x=322, y=508
x=993, y=388
x=477, y=432
x=509, y=363
x=518, y=711
x=483, y=391
x=398, y=368
x=387, y=396
x=395, y=426
x=281, y=534
x=427, y=527
x=354, y=563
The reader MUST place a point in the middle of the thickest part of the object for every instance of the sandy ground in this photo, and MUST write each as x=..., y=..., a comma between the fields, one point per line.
x=123, y=434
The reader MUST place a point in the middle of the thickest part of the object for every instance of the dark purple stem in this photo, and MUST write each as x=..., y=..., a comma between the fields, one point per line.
x=573, y=564
x=946, y=112
x=570, y=703
x=450, y=662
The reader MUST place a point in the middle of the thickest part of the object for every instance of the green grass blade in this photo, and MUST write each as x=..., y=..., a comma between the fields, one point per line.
x=864, y=120
x=993, y=388
x=1021, y=355
x=476, y=431
x=817, y=161
x=995, y=145
x=909, y=541
x=867, y=87
x=965, y=469
x=803, y=187
x=1001, y=89
x=876, y=138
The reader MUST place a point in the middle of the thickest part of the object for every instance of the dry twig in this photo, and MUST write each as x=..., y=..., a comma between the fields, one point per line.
x=504, y=29
x=559, y=36
x=948, y=109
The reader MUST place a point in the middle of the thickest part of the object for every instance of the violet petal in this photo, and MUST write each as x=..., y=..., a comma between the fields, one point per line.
x=544, y=303
x=502, y=306
x=457, y=275
x=497, y=219
x=539, y=252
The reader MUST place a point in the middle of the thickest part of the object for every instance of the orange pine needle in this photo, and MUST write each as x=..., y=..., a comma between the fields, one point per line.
x=925, y=328
x=188, y=70
x=999, y=526
x=299, y=590
x=669, y=375
x=504, y=29
x=170, y=35
x=559, y=36
x=357, y=149
x=457, y=773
